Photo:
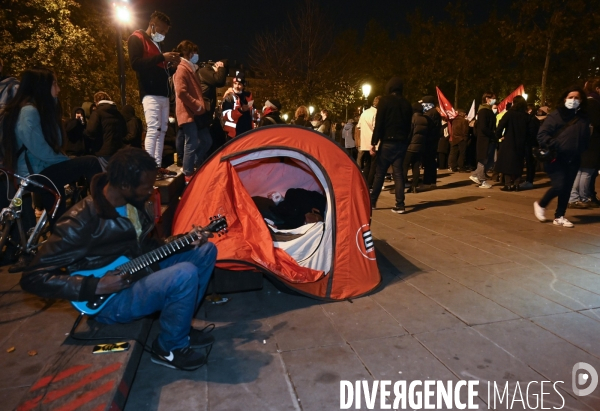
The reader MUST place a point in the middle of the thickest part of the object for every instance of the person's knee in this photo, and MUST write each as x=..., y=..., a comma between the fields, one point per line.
x=185, y=276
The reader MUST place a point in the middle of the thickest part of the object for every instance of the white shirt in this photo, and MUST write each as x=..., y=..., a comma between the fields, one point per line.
x=366, y=124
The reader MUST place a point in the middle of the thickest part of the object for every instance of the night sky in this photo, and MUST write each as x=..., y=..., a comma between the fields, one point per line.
x=226, y=29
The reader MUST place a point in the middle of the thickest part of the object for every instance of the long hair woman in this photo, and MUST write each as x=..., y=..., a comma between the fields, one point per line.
x=33, y=135
x=566, y=131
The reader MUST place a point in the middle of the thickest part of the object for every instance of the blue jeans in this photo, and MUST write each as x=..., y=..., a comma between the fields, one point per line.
x=197, y=144
x=581, y=186
x=176, y=290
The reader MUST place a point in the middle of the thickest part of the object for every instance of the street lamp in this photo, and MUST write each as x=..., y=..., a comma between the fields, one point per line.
x=311, y=109
x=285, y=117
x=366, y=89
x=525, y=96
x=123, y=16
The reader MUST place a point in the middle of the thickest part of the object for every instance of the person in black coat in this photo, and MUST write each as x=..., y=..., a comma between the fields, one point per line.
x=106, y=129
x=434, y=133
x=74, y=144
x=583, y=192
x=135, y=129
x=566, y=132
x=485, y=132
x=416, y=148
x=530, y=161
x=513, y=130
x=213, y=76
x=392, y=129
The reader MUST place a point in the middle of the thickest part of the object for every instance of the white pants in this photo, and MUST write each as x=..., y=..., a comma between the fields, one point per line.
x=156, y=111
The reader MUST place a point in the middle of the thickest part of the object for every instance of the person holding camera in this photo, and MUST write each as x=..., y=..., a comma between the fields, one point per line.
x=212, y=76
x=74, y=144
x=153, y=69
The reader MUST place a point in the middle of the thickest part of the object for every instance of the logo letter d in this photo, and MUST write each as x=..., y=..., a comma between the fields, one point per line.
x=582, y=378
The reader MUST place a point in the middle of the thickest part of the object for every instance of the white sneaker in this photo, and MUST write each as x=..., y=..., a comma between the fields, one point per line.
x=539, y=211
x=485, y=185
x=526, y=185
x=561, y=221
x=475, y=180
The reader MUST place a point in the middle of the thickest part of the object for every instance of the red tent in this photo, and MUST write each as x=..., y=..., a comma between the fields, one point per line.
x=333, y=259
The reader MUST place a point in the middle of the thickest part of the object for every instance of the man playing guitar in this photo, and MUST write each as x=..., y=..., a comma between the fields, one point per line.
x=115, y=221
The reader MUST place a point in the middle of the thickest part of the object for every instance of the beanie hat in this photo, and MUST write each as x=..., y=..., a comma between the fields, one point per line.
x=240, y=77
x=429, y=99
x=273, y=104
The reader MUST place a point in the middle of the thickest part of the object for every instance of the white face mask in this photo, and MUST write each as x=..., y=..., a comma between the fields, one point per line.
x=492, y=101
x=572, y=103
x=157, y=37
x=194, y=59
x=495, y=110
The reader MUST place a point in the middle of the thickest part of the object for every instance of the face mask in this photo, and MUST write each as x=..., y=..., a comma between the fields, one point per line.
x=572, y=103
x=427, y=106
x=194, y=59
x=157, y=37
x=495, y=110
x=492, y=101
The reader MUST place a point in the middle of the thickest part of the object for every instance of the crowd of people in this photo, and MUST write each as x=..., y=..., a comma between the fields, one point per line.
x=108, y=150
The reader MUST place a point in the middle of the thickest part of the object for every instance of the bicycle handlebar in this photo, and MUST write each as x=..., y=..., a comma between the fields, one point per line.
x=38, y=185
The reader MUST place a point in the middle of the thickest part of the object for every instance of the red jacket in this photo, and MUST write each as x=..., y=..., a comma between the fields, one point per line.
x=188, y=93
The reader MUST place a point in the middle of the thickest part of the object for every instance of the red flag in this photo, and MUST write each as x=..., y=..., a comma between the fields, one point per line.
x=446, y=109
x=518, y=92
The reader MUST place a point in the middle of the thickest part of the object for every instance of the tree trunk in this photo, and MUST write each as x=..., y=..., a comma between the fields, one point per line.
x=545, y=72
x=456, y=91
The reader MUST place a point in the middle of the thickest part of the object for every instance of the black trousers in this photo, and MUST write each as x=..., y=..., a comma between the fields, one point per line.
x=530, y=164
x=458, y=153
x=414, y=159
x=364, y=161
x=390, y=153
x=430, y=165
x=62, y=174
x=562, y=173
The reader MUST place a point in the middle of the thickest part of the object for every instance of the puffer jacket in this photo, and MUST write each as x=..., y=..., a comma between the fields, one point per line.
x=573, y=140
x=90, y=235
x=419, y=131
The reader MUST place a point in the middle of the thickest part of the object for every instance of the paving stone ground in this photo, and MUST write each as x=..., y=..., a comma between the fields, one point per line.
x=474, y=288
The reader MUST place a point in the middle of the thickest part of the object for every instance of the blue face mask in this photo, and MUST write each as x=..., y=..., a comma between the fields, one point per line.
x=427, y=106
x=194, y=59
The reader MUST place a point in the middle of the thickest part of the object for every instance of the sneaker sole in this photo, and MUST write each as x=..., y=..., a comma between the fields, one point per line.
x=476, y=181
x=164, y=363
x=565, y=226
x=399, y=212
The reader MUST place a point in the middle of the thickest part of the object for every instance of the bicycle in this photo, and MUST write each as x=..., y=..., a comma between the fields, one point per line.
x=26, y=245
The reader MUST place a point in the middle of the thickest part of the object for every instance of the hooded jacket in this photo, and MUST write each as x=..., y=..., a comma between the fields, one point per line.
x=572, y=140
x=394, y=114
x=106, y=129
x=348, y=134
x=90, y=235
x=419, y=132
x=485, y=129
x=135, y=128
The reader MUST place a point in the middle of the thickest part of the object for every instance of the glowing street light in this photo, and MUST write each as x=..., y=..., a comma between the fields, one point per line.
x=311, y=109
x=122, y=13
x=285, y=118
x=525, y=96
x=366, y=89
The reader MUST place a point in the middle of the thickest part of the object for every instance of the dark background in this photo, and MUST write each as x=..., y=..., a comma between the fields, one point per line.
x=227, y=29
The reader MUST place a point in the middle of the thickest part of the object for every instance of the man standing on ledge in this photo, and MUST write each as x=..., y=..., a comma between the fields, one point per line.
x=392, y=129
x=153, y=69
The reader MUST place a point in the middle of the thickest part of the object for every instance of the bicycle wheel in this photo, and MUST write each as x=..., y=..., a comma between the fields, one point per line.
x=4, y=233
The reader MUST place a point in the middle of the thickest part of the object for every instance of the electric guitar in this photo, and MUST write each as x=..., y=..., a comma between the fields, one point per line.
x=129, y=267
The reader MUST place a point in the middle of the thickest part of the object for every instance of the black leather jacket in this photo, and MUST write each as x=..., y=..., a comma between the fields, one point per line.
x=88, y=236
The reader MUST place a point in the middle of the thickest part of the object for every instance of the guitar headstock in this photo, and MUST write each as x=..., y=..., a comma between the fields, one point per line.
x=218, y=224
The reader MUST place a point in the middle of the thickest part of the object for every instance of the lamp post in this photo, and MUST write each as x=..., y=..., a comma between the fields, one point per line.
x=285, y=117
x=311, y=109
x=123, y=17
x=366, y=89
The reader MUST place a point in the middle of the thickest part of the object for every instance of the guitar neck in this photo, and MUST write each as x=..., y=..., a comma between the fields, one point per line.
x=158, y=254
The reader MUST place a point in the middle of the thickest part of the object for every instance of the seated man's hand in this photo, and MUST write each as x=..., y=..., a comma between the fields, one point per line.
x=204, y=236
x=112, y=282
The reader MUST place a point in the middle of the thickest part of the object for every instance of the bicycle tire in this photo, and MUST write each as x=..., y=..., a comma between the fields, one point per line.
x=4, y=233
